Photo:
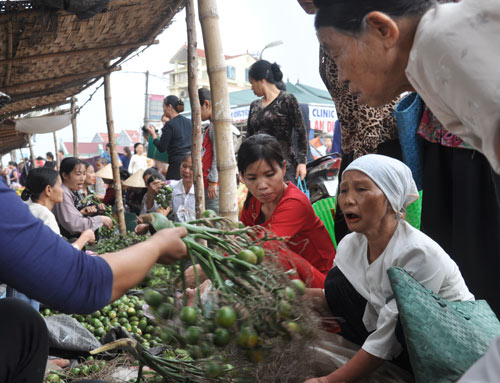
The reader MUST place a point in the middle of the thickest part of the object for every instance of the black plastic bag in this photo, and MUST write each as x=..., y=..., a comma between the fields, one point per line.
x=84, y=9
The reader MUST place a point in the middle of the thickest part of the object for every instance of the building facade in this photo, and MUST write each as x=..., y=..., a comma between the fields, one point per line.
x=236, y=72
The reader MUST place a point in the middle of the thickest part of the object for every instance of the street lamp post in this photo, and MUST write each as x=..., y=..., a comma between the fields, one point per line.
x=270, y=45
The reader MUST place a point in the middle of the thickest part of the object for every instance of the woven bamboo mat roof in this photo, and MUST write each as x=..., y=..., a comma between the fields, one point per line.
x=48, y=56
x=10, y=138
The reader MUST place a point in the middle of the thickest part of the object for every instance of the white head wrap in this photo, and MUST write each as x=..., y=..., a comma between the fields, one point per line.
x=392, y=177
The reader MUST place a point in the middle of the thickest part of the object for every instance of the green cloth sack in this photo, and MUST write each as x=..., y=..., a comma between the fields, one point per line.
x=325, y=210
x=130, y=221
x=414, y=212
x=444, y=338
x=154, y=153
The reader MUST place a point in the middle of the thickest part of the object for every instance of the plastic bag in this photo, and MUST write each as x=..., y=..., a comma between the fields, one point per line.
x=84, y=9
x=67, y=334
x=333, y=351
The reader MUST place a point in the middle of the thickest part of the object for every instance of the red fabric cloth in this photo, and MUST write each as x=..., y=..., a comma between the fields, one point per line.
x=208, y=155
x=312, y=251
x=109, y=197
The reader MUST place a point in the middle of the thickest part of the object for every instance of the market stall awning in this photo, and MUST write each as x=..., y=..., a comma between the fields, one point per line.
x=43, y=124
x=10, y=138
x=48, y=55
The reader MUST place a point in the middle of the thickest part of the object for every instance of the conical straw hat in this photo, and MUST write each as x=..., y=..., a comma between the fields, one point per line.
x=135, y=180
x=106, y=172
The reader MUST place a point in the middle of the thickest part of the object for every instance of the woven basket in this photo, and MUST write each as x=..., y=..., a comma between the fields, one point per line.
x=408, y=114
x=444, y=338
x=325, y=210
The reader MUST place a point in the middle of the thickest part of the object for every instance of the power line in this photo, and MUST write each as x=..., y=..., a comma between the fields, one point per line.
x=90, y=97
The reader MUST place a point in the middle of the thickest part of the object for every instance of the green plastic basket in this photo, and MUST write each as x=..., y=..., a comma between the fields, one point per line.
x=325, y=210
x=444, y=338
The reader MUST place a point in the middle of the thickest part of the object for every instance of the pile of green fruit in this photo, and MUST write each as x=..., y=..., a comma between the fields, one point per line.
x=87, y=368
x=206, y=333
x=159, y=276
x=105, y=232
x=250, y=323
x=114, y=242
x=126, y=312
x=164, y=196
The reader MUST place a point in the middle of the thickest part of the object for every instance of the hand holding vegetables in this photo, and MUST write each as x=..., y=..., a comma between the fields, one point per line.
x=164, y=196
x=89, y=210
x=106, y=221
x=130, y=265
x=170, y=245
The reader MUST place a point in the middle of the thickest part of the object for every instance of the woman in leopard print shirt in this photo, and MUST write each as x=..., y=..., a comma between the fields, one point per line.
x=363, y=130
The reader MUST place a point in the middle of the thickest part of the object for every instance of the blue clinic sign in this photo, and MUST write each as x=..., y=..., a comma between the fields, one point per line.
x=240, y=114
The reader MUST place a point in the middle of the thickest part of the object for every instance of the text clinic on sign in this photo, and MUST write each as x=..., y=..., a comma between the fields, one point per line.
x=322, y=118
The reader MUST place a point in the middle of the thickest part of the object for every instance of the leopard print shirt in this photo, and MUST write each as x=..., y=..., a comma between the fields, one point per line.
x=362, y=128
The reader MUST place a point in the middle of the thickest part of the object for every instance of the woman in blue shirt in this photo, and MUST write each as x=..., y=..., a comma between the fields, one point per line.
x=42, y=265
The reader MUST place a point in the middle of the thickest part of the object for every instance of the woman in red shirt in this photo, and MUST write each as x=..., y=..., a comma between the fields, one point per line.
x=283, y=209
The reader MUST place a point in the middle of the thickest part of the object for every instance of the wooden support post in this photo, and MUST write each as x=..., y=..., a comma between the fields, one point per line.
x=199, y=188
x=114, y=156
x=32, y=154
x=56, y=154
x=216, y=66
x=73, y=124
x=10, y=43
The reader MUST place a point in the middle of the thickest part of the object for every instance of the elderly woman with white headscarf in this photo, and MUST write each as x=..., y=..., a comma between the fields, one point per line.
x=374, y=192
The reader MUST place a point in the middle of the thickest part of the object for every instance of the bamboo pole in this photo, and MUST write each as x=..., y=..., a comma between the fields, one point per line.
x=56, y=151
x=216, y=66
x=32, y=153
x=73, y=125
x=114, y=156
x=199, y=188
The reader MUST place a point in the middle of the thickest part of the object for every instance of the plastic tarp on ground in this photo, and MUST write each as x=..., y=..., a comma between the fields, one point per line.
x=43, y=124
x=333, y=351
x=67, y=334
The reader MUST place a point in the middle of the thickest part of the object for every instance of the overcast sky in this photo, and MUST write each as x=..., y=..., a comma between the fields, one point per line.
x=246, y=25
